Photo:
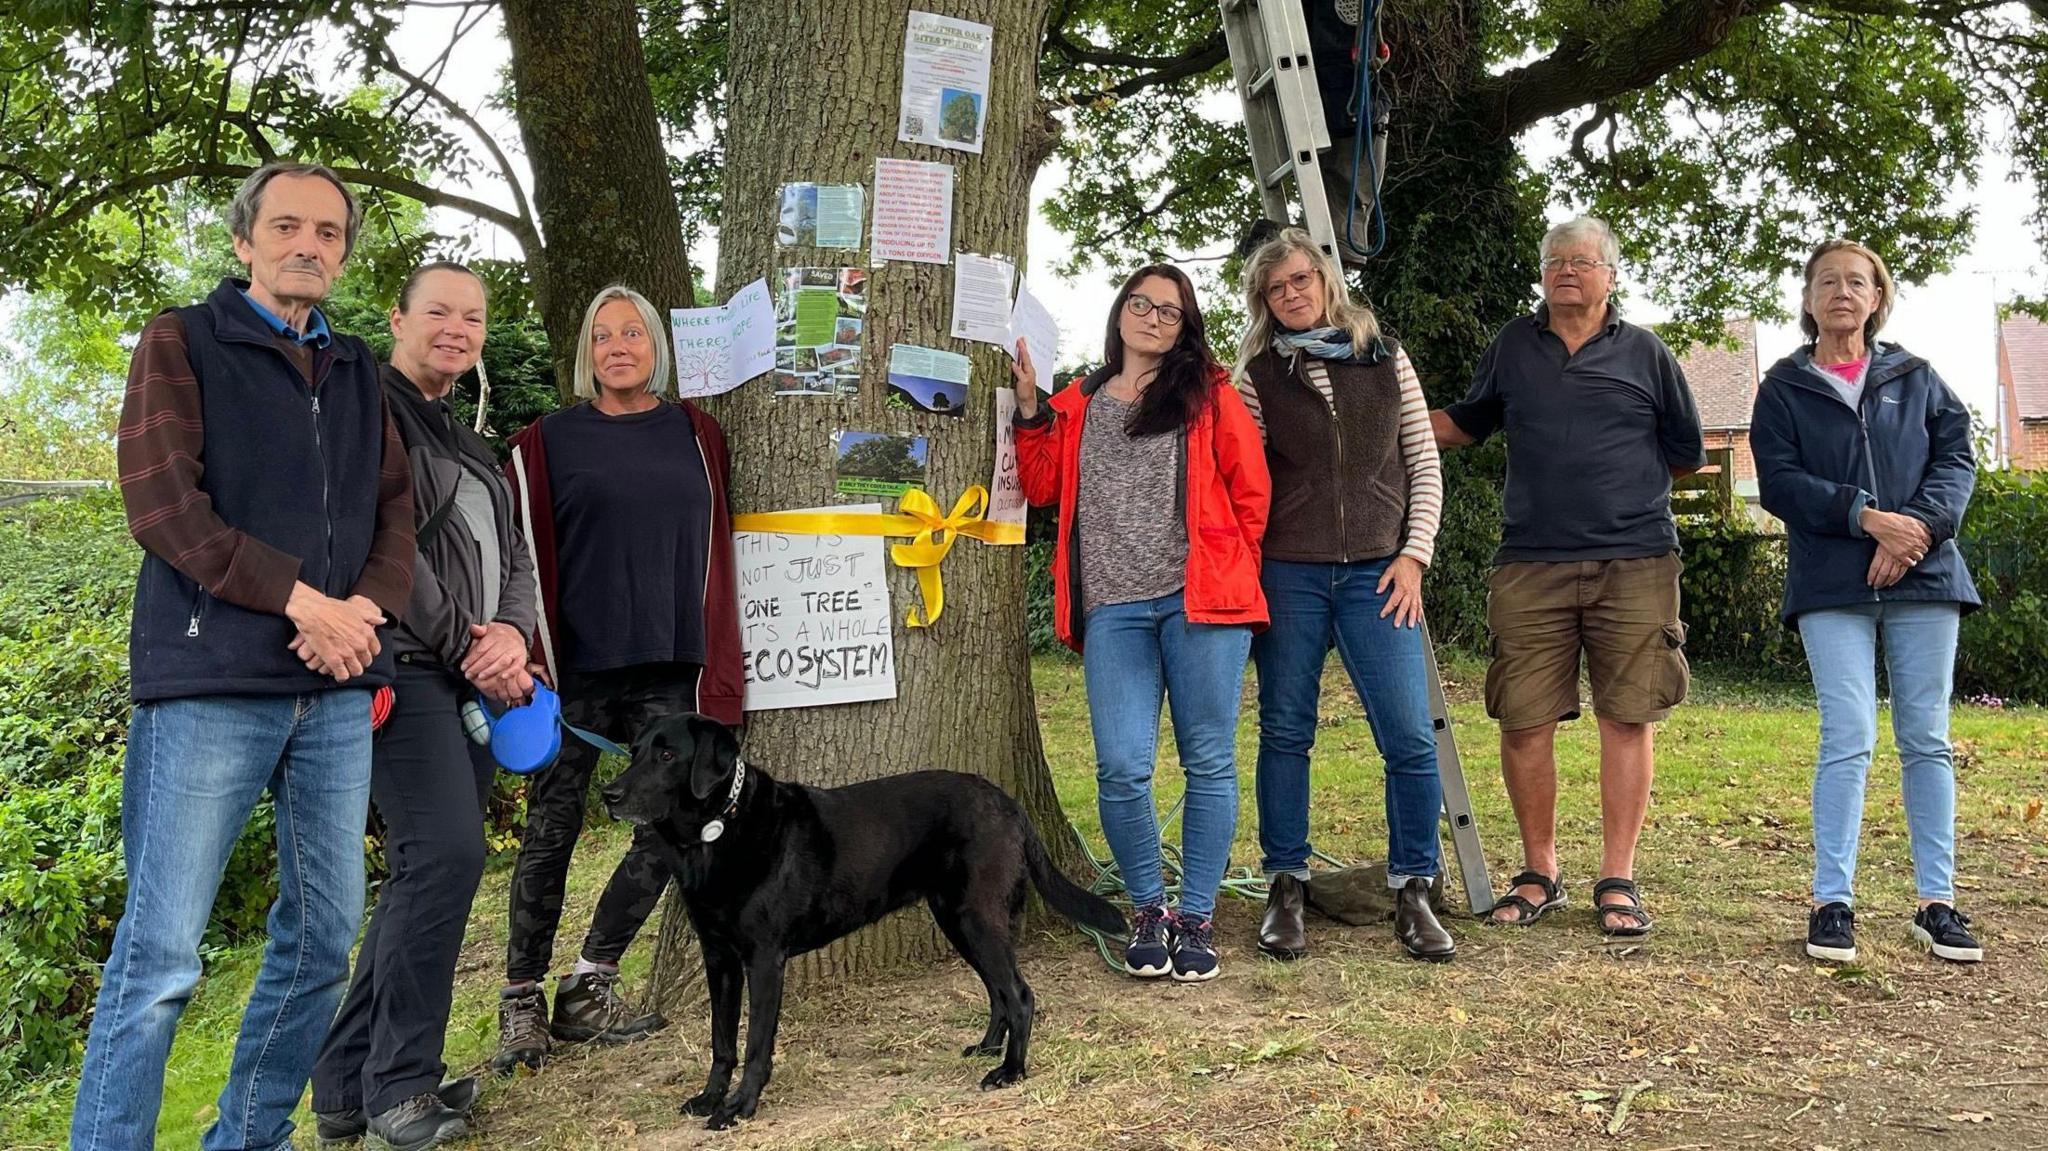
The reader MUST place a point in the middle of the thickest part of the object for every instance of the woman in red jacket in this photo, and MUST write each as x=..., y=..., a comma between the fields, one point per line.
x=1161, y=481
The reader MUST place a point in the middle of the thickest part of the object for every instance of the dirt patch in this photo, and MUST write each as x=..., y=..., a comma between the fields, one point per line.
x=1530, y=1039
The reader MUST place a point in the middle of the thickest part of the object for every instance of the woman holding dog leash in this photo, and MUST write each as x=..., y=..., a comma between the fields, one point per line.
x=622, y=500
x=464, y=632
x=1162, y=490
x=1357, y=494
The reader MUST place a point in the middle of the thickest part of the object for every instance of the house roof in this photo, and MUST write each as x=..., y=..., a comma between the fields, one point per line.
x=2023, y=360
x=1723, y=379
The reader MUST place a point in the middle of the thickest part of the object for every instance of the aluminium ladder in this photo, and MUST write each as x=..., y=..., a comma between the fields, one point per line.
x=1284, y=123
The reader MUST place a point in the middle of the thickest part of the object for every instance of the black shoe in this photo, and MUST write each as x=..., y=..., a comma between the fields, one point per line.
x=1282, y=934
x=416, y=1124
x=1831, y=933
x=335, y=1128
x=522, y=1030
x=1946, y=932
x=589, y=1007
x=1416, y=926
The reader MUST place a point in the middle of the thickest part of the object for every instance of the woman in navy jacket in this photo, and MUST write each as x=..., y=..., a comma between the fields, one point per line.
x=1865, y=454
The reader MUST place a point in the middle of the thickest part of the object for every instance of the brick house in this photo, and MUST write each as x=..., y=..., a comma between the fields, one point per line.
x=2023, y=391
x=1724, y=381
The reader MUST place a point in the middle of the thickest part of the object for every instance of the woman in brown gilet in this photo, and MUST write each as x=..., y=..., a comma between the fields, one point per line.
x=1357, y=492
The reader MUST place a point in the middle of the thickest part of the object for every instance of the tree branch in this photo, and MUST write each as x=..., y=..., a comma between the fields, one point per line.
x=398, y=185
x=1581, y=72
x=1164, y=70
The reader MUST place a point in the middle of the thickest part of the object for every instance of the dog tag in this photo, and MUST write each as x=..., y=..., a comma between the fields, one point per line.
x=712, y=830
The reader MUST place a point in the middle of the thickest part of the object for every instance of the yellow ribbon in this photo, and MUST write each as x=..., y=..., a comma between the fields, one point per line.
x=917, y=516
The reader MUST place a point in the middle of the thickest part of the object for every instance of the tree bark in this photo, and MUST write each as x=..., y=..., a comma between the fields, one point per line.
x=816, y=84
x=600, y=173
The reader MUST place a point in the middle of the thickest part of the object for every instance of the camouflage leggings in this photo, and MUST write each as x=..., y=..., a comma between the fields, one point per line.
x=614, y=704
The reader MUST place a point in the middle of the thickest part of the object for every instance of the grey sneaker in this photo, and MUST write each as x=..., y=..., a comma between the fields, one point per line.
x=340, y=1128
x=418, y=1123
x=522, y=1031
x=589, y=1007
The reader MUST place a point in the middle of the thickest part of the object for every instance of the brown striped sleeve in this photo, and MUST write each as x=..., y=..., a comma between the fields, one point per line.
x=158, y=449
x=387, y=575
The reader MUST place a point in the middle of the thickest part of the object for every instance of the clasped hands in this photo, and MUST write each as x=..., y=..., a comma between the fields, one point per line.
x=1902, y=541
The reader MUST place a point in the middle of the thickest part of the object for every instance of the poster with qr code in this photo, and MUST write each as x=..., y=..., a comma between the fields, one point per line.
x=945, y=82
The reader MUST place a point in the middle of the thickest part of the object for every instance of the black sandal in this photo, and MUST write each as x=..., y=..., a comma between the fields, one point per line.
x=1526, y=912
x=1638, y=919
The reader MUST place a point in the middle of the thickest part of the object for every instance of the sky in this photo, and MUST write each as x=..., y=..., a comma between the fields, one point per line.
x=1950, y=319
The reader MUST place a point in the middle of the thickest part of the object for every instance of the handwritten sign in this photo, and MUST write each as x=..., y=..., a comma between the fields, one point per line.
x=718, y=349
x=1005, y=492
x=814, y=618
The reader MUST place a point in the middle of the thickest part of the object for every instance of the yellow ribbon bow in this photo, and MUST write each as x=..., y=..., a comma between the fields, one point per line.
x=917, y=516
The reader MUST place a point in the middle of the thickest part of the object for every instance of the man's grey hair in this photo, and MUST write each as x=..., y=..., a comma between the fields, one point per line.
x=1582, y=230
x=657, y=334
x=248, y=202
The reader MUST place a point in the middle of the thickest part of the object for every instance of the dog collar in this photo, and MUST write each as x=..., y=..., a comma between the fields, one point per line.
x=716, y=827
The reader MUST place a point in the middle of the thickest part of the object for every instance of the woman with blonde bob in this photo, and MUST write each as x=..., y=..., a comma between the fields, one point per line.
x=1865, y=454
x=622, y=499
x=1357, y=494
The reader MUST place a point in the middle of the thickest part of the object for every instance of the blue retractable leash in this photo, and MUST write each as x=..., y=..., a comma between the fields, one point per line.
x=526, y=738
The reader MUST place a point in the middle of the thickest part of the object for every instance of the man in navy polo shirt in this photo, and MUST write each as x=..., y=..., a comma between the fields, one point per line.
x=1598, y=420
x=272, y=500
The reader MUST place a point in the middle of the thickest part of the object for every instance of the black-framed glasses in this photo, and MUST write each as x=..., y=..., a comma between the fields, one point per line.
x=1300, y=282
x=1138, y=305
x=1579, y=264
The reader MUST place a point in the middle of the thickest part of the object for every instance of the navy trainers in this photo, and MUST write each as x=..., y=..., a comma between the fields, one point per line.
x=1194, y=948
x=1831, y=933
x=1146, y=957
x=1946, y=932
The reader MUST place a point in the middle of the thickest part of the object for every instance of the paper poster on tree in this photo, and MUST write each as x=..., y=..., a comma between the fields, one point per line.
x=814, y=618
x=945, y=81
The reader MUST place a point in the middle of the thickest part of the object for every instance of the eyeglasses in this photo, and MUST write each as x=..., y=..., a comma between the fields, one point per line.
x=1300, y=282
x=1138, y=305
x=1579, y=264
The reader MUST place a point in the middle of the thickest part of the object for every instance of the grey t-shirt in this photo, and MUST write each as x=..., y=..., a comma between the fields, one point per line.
x=473, y=504
x=1592, y=438
x=1134, y=540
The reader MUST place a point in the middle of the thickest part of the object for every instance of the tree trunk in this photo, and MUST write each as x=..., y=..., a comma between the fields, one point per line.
x=816, y=84
x=600, y=173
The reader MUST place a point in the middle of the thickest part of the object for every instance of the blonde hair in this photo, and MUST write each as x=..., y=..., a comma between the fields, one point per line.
x=1887, y=290
x=657, y=334
x=1339, y=309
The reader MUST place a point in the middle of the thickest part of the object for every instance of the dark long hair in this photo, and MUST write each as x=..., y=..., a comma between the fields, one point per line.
x=1186, y=373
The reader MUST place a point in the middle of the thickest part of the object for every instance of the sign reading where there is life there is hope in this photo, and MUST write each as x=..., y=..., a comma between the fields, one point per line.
x=814, y=617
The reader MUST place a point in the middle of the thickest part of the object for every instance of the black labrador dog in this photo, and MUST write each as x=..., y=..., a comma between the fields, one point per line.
x=771, y=870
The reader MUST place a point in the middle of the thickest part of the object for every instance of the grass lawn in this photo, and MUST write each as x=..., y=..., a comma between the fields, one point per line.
x=1714, y=1032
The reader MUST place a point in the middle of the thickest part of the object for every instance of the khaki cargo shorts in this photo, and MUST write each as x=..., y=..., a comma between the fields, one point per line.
x=1622, y=613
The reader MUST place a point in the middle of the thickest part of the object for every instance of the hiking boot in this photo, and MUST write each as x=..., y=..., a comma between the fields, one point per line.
x=1146, y=957
x=589, y=1007
x=1416, y=925
x=1194, y=948
x=416, y=1124
x=522, y=1030
x=1945, y=931
x=338, y=1128
x=1831, y=933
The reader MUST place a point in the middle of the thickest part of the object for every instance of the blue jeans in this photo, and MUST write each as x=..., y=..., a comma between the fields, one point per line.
x=195, y=769
x=1314, y=605
x=1131, y=654
x=1919, y=659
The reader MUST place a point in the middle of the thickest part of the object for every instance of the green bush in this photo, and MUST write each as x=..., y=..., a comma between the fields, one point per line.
x=2004, y=648
x=1733, y=587
x=67, y=572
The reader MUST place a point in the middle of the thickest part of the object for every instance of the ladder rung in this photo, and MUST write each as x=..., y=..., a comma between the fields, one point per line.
x=1260, y=84
x=1280, y=175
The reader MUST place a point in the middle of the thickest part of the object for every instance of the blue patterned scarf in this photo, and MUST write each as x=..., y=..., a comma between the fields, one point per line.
x=1326, y=344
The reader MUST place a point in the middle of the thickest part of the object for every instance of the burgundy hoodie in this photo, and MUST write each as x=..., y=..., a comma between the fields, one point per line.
x=721, y=688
